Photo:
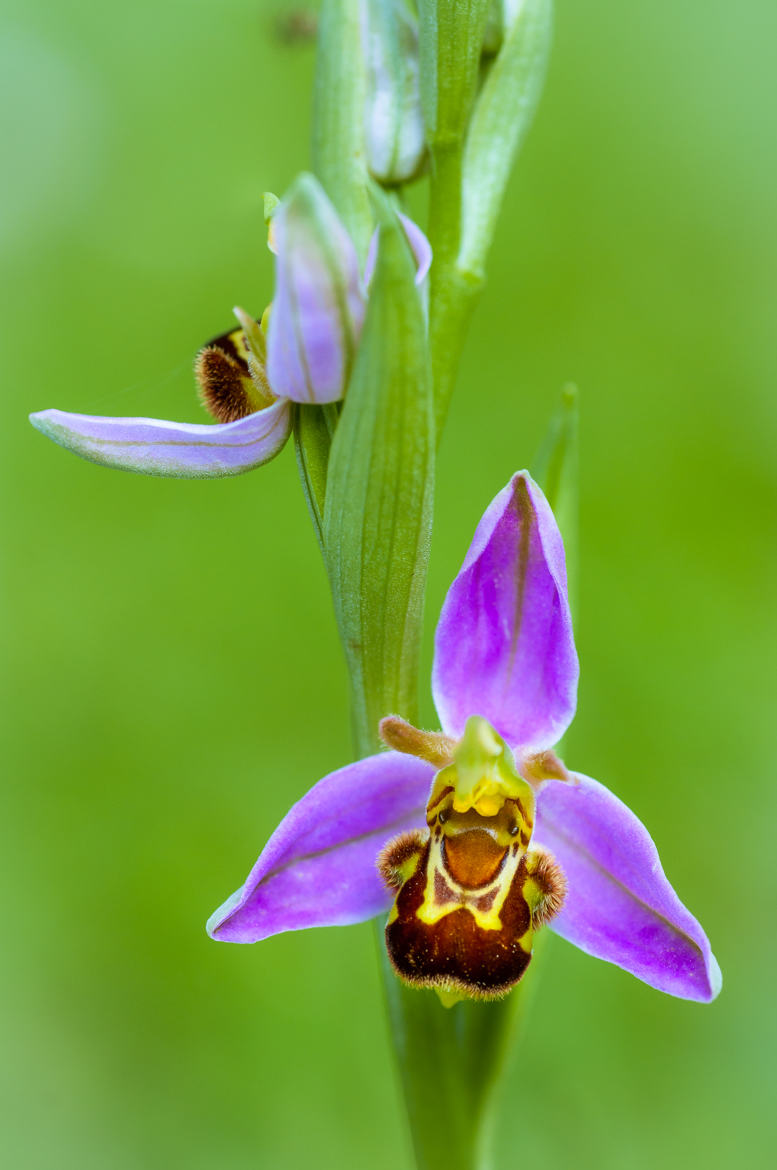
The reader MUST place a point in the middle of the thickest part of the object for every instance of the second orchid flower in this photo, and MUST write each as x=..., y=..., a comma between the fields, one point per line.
x=250, y=378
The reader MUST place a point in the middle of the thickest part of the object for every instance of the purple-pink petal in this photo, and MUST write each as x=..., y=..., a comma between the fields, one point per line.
x=619, y=905
x=419, y=246
x=319, y=866
x=318, y=307
x=504, y=647
x=181, y=450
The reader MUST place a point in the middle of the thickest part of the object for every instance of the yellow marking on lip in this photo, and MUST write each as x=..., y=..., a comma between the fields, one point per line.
x=432, y=910
x=526, y=940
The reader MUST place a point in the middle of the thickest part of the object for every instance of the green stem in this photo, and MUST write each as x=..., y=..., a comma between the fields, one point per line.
x=314, y=428
x=445, y=199
x=453, y=291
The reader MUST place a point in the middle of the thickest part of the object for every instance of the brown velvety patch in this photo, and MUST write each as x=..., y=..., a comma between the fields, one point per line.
x=549, y=878
x=397, y=855
x=473, y=858
x=224, y=382
x=455, y=953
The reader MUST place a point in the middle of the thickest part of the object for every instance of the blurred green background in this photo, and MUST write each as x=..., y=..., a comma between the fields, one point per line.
x=173, y=679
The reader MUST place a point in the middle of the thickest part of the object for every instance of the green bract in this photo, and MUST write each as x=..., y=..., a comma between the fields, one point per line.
x=377, y=518
x=451, y=38
x=556, y=470
x=502, y=115
x=394, y=125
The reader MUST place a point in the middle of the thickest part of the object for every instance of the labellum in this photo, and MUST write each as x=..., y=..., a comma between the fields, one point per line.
x=469, y=893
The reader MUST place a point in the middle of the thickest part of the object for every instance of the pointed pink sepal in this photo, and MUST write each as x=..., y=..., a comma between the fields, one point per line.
x=504, y=647
x=620, y=907
x=319, y=866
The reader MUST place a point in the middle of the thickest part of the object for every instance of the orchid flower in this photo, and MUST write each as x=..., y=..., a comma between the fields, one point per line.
x=475, y=836
x=249, y=378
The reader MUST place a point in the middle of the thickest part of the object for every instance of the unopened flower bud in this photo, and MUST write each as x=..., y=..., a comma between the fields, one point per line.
x=394, y=125
x=501, y=16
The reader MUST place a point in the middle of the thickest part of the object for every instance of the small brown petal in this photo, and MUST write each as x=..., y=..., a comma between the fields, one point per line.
x=433, y=746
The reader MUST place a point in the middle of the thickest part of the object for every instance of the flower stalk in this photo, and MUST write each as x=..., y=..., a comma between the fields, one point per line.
x=454, y=291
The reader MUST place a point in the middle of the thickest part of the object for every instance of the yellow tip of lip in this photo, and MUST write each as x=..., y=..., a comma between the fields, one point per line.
x=449, y=999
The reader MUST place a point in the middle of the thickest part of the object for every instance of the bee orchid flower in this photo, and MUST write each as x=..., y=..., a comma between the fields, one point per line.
x=475, y=836
x=249, y=379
